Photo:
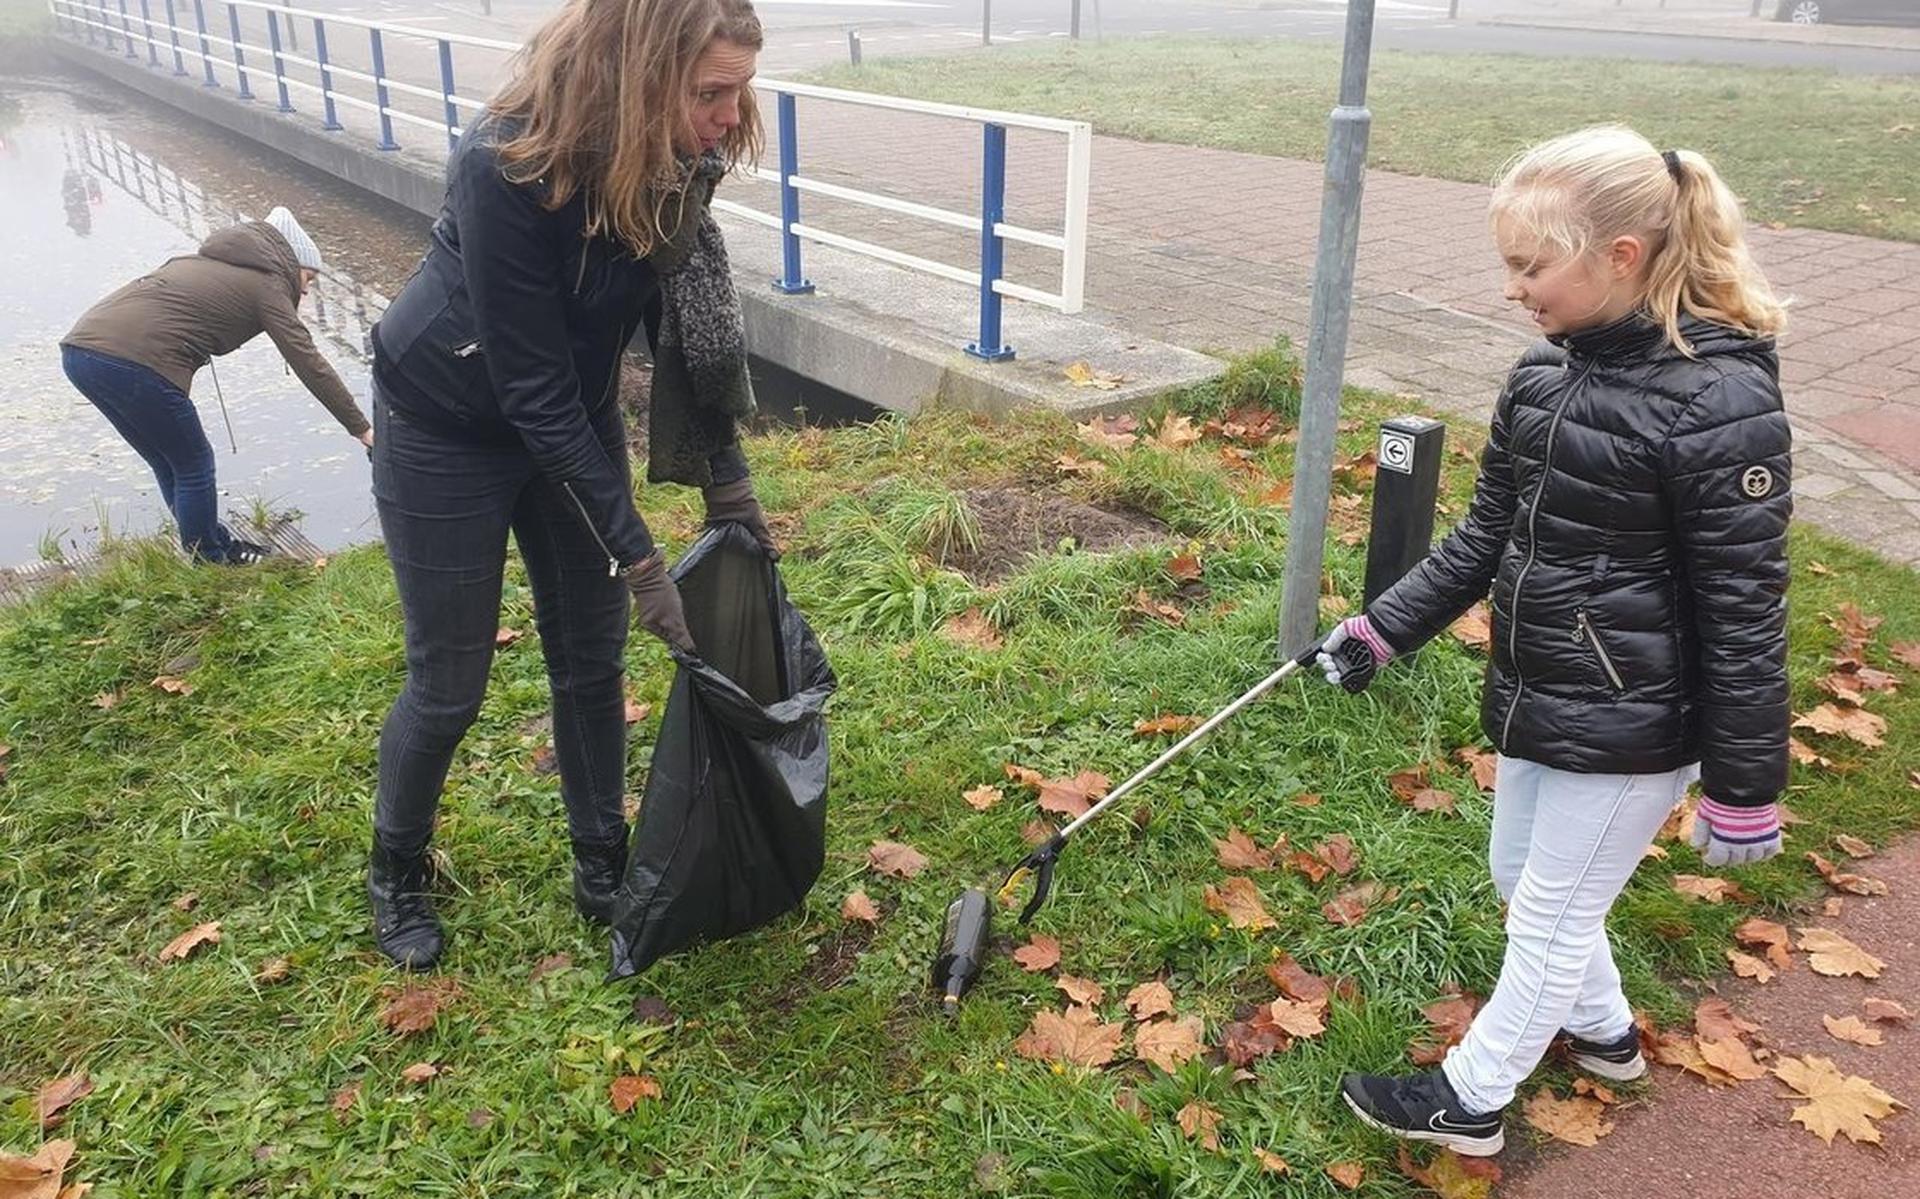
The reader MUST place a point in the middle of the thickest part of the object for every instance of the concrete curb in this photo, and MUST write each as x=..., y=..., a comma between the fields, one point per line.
x=1867, y=38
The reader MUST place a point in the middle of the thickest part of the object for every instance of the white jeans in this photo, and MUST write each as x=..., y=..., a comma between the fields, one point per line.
x=1563, y=846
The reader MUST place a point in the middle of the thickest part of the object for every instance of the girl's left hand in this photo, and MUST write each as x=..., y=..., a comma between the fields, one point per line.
x=366, y=438
x=1733, y=836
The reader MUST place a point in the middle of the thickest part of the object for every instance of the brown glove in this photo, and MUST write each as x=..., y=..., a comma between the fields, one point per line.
x=656, y=602
x=736, y=501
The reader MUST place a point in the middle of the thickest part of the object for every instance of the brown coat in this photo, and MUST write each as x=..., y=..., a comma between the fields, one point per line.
x=242, y=281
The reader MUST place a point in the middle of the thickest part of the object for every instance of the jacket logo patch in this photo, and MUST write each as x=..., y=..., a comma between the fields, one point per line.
x=1757, y=482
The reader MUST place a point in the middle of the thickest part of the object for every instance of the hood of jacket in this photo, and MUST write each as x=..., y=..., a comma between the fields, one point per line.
x=257, y=246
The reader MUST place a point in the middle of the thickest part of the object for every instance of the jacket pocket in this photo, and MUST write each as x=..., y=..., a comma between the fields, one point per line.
x=1583, y=630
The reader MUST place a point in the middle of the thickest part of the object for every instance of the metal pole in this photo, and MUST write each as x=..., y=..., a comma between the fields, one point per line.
x=126, y=31
x=1756, y=9
x=206, y=56
x=146, y=23
x=446, y=91
x=1346, y=172
x=791, y=280
x=173, y=39
x=331, y=122
x=239, y=58
x=1073, y=20
x=380, y=90
x=1453, y=10
x=993, y=210
x=853, y=46
x=279, y=64
x=986, y=22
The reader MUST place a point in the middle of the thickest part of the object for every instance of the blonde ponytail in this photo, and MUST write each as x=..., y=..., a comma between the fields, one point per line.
x=1579, y=191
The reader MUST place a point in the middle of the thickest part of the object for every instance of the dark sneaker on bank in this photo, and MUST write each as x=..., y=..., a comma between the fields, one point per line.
x=1617, y=1060
x=1422, y=1107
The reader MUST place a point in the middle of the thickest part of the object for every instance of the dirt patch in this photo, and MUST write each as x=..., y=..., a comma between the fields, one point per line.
x=1017, y=525
x=834, y=964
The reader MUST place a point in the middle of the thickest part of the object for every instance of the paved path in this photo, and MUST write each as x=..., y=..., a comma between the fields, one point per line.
x=1691, y=1140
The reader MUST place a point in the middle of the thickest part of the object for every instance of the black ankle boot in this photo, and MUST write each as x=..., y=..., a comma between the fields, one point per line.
x=598, y=871
x=404, y=926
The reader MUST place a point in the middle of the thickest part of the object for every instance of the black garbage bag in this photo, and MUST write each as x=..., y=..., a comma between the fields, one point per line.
x=733, y=826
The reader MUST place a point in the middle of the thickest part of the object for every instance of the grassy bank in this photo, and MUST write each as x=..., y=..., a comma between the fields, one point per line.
x=1803, y=147
x=804, y=1060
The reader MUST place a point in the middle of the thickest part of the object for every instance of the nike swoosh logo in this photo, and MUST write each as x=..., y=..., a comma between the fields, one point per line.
x=1439, y=1123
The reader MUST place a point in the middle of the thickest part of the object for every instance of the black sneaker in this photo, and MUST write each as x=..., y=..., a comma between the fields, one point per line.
x=1617, y=1060
x=1422, y=1107
x=246, y=553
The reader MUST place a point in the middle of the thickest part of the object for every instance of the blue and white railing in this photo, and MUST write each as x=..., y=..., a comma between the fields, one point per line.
x=192, y=30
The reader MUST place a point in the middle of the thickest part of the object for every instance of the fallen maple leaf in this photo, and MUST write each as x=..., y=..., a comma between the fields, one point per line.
x=107, y=700
x=1271, y=1162
x=1034, y=832
x=1714, y=1019
x=1200, y=1123
x=895, y=860
x=39, y=1176
x=1305, y=863
x=1731, y=1057
x=629, y=1089
x=52, y=1100
x=1295, y=982
x=1080, y=374
x=1169, y=1044
x=415, y=1007
x=1069, y=463
x=1833, y=906
x=1163, y=725
x=1474, y=628
x=344, y=1100
x=1119, y=433
x=553, y=963
x=1852, y=846
x=1747, y=966
x=1309, y=799
x=506, y=636
x=173, y=686
x=1073, y=797
x=1712, y=890
x=1238, y=852
x=1293, y=1019
x=1149, y=999
x=856, y=906
x=1184, y=568
x=1079, y=1038
x=1586, y=1086
x=1348, y=1174
x=544, y=763
x=972, y=628
x=1447, y=1022
x=1683, y=1052
x=1886, y=1011
x=1482, y=764
x=983, y=797
x=1041, y=953
x=1854, y=1029
x=186, y=943
x=1765, y=934
x=1350, y=906
x=1244, y=1042
x=1083, y=992
x=1855, y=724
x=1844, y=880
x=1021, y=775
x=420, y=1072
x=1577, y=1121
x=1837, y=1103
x=1176, y=432
x=1907, y=653
x=1451, y=1176
x=637, y=712
x=1144, y=603
x=1337, y=852
x=1833, y=955
x=1240, y=902
x=1804, y=754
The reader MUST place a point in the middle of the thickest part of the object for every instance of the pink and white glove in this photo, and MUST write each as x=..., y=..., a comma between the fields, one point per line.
x=1352, y=653
x=1730, y=836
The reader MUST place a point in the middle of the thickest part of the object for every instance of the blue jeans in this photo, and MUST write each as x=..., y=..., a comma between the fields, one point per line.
x=446, y=506
x=160, y=423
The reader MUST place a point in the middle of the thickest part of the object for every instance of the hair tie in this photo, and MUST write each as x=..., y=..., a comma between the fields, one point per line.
x=1672, y=158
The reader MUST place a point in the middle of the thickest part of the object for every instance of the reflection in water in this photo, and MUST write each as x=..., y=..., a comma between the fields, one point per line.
x=95, y=191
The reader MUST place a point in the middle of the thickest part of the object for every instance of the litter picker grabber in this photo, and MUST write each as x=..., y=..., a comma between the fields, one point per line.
x=963, y=943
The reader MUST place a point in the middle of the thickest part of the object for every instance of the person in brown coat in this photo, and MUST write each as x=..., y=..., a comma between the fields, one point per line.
x=135, y=353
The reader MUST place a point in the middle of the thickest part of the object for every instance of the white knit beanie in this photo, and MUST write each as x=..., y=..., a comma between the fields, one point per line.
x=304, y=251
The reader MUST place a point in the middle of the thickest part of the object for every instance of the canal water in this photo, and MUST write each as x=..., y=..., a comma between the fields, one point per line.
x=99, y=186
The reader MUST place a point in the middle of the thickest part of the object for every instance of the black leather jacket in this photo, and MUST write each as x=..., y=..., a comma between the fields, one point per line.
x=1630, y=518
x=513, y=326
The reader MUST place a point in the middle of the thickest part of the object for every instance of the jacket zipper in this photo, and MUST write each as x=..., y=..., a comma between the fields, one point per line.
x=468, y=350
x=1533, y=552
x=1584, y=627
x=613, y=563
x=580, y=280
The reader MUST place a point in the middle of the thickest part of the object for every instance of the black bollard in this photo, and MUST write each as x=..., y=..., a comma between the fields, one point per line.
x=1405, y=489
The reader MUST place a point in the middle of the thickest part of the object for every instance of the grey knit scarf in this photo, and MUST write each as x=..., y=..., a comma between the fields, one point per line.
x=700, y=381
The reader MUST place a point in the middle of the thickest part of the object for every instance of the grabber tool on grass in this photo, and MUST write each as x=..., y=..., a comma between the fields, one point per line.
x=963, y=941
x=1354, y=657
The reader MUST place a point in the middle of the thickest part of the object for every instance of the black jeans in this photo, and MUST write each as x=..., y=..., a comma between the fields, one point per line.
x=445, y=508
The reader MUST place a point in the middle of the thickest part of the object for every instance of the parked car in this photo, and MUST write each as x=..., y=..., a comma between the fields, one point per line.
x=1849, y=12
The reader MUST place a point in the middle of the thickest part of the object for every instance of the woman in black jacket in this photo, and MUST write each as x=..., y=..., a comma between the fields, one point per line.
x=1630, y=519
x=576, y=213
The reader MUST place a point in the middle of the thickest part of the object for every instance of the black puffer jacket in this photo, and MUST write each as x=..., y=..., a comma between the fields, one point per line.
x=1631, y=519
